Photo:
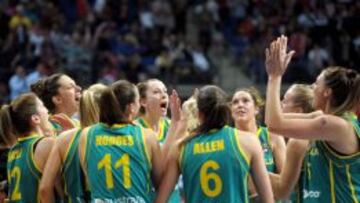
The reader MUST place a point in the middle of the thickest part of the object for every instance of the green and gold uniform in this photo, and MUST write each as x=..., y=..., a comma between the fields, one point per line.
x=23, y=173
x=61, y=122
x=265, y=142
x=328, y=176
x=72, y=175
x=215, y=168
x=164, y=125
x=117, y=164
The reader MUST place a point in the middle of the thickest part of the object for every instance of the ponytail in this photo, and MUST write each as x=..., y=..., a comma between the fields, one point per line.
x=345, y=86
x=6, y=128
x=15, y=119
x=213, y=105
x=115, y=100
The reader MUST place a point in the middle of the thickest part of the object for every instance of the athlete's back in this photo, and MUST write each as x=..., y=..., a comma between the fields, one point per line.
x=22, y=171
x=119, y=169
x=214, y=168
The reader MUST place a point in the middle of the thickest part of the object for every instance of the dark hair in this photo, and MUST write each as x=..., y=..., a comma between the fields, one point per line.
x=143, y=87
x=212, y=102
x=345, y=86
x=46, y=89
x=15, y=118
x=114, y=101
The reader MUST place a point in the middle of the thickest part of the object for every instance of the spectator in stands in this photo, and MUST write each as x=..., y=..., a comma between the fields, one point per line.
x=17, y=83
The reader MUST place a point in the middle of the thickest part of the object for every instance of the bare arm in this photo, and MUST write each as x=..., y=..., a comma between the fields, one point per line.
x=175, y=107
x=326, y=127
x=48, y=179
x=259, y=175
x=284, y=182
x=51, y=176
x=155, y=156
x=41, y=155
x=313, y=114
x=279, y=148
x=170, y=177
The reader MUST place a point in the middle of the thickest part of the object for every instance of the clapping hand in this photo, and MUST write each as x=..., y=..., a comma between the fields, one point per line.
x=277, y=59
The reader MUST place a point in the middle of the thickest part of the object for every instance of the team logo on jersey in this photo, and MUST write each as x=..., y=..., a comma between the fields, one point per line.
x=311, y=194
x=265, y=147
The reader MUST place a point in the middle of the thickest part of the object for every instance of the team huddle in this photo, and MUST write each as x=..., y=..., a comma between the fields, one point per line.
x=124, y=149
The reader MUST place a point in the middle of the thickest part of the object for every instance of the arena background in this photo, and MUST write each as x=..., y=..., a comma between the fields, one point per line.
x=185, y=43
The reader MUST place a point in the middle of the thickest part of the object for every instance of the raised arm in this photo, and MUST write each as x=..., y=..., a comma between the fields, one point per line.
x=325, y=127
x=175, y=108
x=311, y=115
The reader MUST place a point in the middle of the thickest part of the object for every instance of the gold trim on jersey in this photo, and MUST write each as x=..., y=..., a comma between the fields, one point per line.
x=70, y=144
x=31, y=135
x=32, y=153
x=258, y=132
x=332, y=182
x=351, y=185
x=236, y=132
x=161, y=124
x=344, y=157
x=182, y=149
x=148, y=157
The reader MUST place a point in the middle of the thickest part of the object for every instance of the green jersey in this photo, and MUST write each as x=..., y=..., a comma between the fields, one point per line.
x=327, y=176
x=23, y=173
x=215, y=168
x=61, y=122
x=164, y=124
x=72, y=175
x=264, y=138
x=117, y=164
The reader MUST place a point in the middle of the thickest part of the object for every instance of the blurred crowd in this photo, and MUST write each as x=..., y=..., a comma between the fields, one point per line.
x=98, y=41
x=104, y=40
x=322, y=32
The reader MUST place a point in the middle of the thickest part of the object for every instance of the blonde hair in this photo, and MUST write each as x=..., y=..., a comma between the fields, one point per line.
x=89, y=105
x=303, y=97
x=190, y=110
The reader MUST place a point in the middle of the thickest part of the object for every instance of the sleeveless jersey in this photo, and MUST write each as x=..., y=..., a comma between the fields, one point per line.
x=72, y=175
x=328, y=176
x=264, y=138
x=215, y=168
x=61, y=122
x=23, y=173
x=161, y=136
x=164, y=124
x=117, y=164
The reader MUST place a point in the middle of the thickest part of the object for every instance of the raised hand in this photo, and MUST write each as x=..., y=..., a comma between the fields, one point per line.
x=277, y=59
x=175, y=106
x=178, y=119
